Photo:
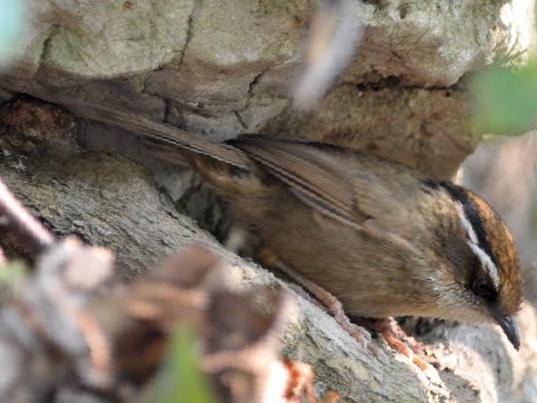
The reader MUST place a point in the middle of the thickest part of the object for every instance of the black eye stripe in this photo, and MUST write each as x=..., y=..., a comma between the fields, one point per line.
x=470, y=210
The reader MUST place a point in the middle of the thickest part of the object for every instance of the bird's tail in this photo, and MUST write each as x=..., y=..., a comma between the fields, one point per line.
x=166, y=138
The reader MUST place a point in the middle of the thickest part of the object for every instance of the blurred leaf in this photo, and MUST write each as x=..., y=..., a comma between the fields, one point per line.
x=11, y=22
x=12, y=272
x=506, y=100
x=181, y=380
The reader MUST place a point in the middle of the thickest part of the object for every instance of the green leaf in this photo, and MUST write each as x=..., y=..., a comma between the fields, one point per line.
x=181, y=380
x=12, y=273
x=506, y=100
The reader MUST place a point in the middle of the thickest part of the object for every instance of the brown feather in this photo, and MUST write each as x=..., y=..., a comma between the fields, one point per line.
x=148, y=129
x=318, y=182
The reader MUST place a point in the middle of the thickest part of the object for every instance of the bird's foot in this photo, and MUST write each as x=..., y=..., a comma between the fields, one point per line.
x=397, y=339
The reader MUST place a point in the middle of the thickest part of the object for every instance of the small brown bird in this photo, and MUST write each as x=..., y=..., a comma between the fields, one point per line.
x=385, y=239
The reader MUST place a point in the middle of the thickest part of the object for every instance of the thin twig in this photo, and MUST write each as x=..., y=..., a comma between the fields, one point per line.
x=18, y=222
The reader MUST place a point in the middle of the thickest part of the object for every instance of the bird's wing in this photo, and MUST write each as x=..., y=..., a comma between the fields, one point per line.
x=315, y=174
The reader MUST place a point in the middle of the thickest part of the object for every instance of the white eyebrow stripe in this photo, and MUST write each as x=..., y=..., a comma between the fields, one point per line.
x=466, y=224
x=487, y=262
x=473, y=243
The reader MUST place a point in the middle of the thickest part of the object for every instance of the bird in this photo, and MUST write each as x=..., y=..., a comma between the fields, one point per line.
x=383, y=238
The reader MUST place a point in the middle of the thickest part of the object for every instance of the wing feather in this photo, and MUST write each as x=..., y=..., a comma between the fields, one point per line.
x=321, y=181
x=314, y=177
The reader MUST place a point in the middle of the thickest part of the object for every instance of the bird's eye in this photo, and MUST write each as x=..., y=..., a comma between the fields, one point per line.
x=483, y=288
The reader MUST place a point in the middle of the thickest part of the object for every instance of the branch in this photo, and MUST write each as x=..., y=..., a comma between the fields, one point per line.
x=15, y=220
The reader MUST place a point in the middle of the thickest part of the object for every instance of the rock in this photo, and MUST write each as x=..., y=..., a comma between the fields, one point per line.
x=424, y=128
x=224, y=68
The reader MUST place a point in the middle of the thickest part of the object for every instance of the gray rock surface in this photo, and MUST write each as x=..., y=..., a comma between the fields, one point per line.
x=226, y=67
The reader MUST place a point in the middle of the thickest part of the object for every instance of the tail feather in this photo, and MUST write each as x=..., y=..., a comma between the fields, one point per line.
x=159, y=133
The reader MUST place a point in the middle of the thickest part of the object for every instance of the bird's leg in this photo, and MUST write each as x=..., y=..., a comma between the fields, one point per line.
x=331, y=303
x=387, y=327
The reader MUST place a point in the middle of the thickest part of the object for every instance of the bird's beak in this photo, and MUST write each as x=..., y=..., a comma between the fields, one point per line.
x=509, y=327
